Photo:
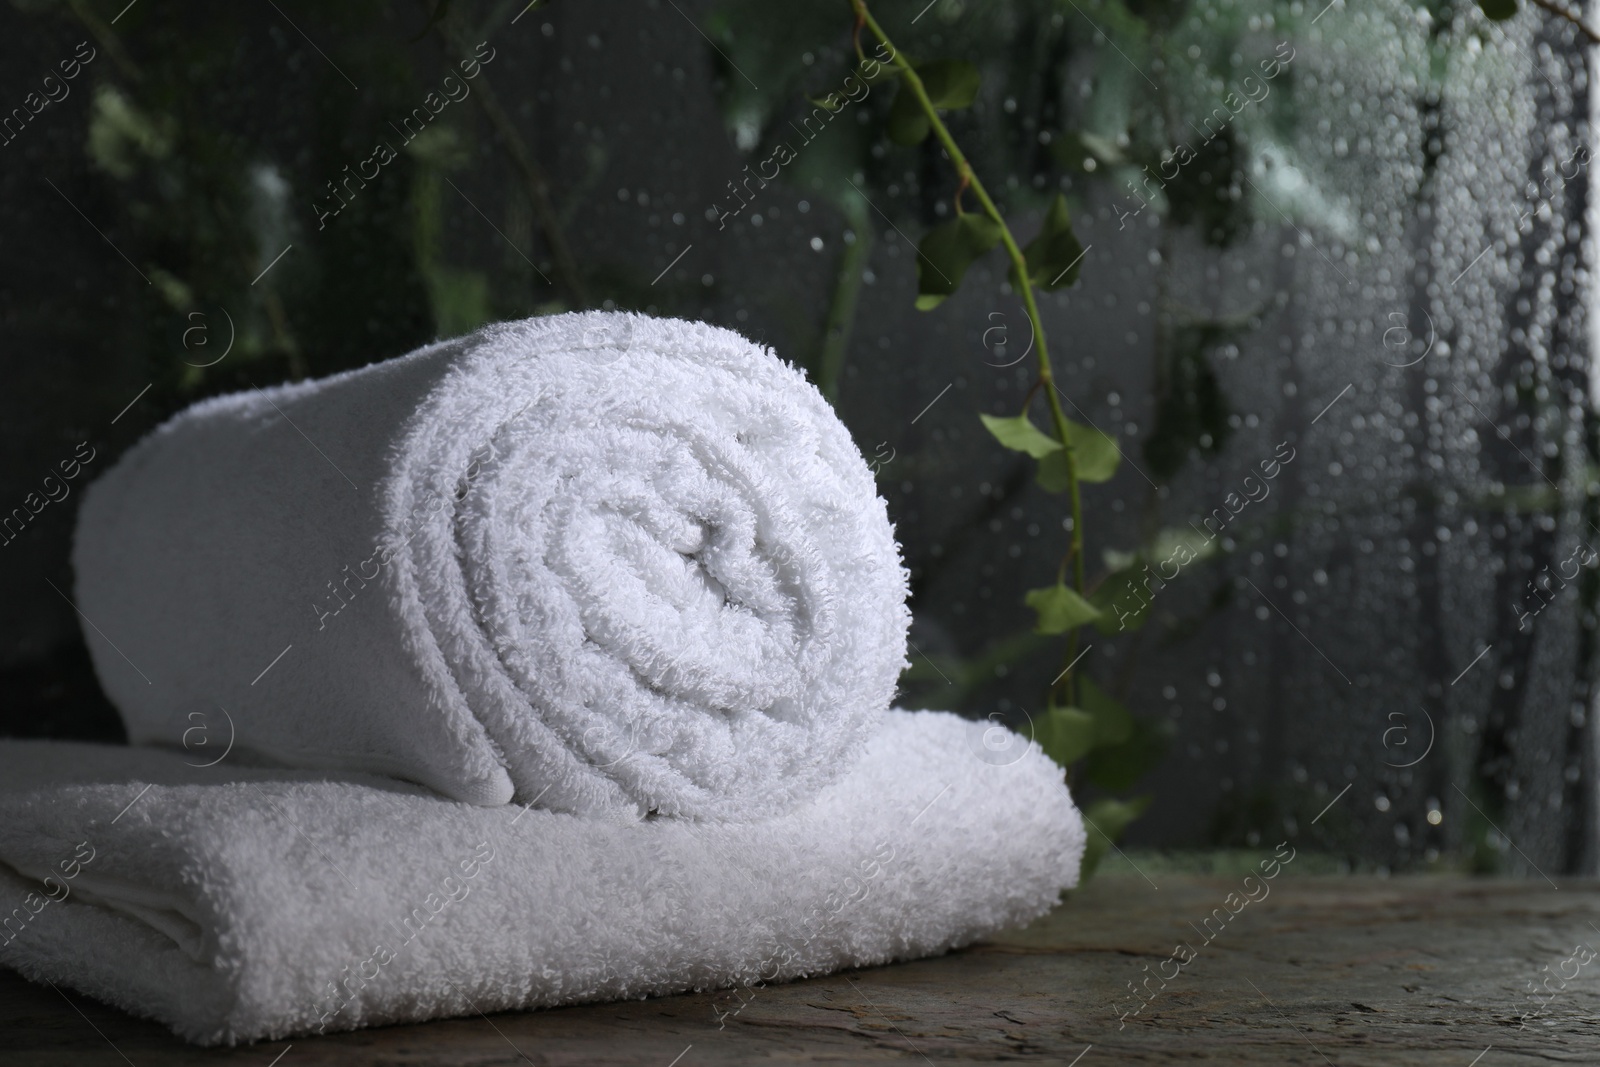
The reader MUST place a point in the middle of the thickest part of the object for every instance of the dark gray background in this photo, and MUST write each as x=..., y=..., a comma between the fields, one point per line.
x=1391, y=550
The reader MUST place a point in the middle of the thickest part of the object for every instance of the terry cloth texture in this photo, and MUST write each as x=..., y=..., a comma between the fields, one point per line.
x=612, y=564
x=239, y=904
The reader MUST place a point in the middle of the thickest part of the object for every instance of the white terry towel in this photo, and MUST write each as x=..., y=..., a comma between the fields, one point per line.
x=613, y=564
x=267, y=904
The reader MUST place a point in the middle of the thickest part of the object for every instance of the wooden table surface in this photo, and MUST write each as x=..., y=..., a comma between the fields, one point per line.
x=1324, y=970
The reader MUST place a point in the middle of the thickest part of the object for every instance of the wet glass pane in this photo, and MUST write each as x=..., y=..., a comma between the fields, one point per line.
x=1331, y=307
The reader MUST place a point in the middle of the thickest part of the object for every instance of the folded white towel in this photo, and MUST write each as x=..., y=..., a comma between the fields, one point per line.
x=610, y=563
x=264, y=904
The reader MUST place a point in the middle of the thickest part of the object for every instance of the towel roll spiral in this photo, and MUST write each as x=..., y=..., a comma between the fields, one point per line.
x=604, y=563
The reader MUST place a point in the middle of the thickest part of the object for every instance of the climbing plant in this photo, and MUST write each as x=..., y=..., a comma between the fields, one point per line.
x=1080, y=116
x=1080, y=723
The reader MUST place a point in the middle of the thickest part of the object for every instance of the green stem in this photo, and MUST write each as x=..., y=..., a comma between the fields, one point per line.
x=1058, y=417
x=846, y=295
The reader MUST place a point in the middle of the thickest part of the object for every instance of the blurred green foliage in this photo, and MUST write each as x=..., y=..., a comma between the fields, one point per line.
x=1054, y=99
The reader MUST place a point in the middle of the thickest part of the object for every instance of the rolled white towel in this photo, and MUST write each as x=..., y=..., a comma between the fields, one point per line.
x=606, y=563
x=234, y=905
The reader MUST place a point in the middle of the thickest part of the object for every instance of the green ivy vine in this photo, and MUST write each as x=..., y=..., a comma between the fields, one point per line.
x=1081, y=723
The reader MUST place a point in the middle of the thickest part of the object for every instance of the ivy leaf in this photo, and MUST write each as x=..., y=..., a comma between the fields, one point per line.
x=908, y=123
x=1106, y=820
x=1119, y=767
x=1182, y=546
x=1054, y=257
x=1020, y=435
x=1179, y=546
x=1097, y=455
x=1052, y=476
x=1065, y=734
x=881, y=71
x=1060, y=609
x=1121, y=600
x=1498, y=10
x=1082, y=152
x=1079, y=150
x=946, y=253
x=949, y=83
x=1103, y=149
x=1113, y=723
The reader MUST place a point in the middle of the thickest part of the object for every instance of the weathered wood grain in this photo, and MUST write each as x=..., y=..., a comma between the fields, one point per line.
x=1325, y=970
